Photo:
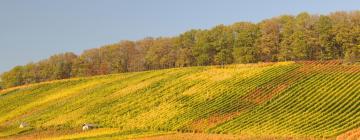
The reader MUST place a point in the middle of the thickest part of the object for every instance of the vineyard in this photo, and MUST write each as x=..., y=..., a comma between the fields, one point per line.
x=307, y=99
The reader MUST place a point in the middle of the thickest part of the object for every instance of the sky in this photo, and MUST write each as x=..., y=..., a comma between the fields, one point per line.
x=31, y=30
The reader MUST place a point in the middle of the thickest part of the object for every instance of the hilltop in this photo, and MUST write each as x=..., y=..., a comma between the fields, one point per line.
x=302, y=37
x=305, y=99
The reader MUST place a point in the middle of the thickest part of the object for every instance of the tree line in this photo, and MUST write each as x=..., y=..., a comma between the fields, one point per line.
x=282, y=38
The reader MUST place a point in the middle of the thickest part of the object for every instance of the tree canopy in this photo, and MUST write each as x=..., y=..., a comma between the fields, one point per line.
x=283, y=38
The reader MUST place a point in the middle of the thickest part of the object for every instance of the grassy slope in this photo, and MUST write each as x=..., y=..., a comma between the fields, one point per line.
x=271, y=99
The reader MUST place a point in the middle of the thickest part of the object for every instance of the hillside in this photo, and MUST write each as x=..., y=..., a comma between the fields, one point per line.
x=307, y=99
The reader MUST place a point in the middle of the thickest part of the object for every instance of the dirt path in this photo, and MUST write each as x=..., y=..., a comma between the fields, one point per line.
x=204, y=136
x=350, y=135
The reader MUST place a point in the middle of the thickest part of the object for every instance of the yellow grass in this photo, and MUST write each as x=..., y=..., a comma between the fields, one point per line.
x=89, y=133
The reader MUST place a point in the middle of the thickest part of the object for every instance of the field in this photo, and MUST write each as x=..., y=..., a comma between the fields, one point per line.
x=284, y=100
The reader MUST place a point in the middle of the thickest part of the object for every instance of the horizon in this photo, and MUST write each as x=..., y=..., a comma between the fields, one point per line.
x=32, y=31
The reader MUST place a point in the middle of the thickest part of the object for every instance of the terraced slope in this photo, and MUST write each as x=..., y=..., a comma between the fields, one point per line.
x=286, y=99
x=325, y=102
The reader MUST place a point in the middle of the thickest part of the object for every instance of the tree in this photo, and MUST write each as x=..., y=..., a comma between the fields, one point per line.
x=221, y=40
x=347, y=34
x=203, y=51
x=223, y=57
x=352, y=54
x=183, y=46
x=125, y=53
x=63, y=65
x=245, y=35
x=325, y=38
x=283, y=38
x=286, y=52
x=88, y=63
x=12, y=78
x=31, y=73
x=161, y=54
x=1, y=85
x=143, y=47
x=303, y=44
x=268, y=43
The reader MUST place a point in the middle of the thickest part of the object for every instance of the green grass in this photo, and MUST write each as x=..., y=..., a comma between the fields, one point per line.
x=290, y=99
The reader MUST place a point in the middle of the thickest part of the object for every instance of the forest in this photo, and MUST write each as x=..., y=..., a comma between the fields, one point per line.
x=283, y=38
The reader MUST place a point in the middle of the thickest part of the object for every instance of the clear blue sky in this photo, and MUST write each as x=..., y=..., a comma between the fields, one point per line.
x=31, y=30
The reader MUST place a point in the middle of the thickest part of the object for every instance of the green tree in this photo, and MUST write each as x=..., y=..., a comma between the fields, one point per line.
x=223, y=57
x=325, y=38
x=203, y=51
x=286, y=52
x=304, y=38
x=221, y=40
x=347, y=34
x=12, y=78
x=183, y=46
x=245, y=35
